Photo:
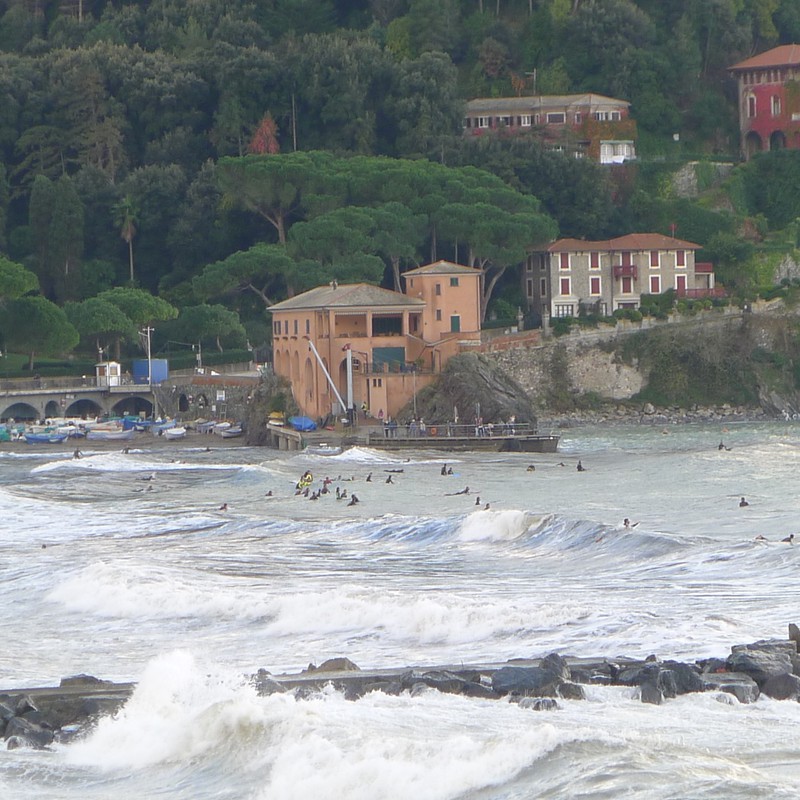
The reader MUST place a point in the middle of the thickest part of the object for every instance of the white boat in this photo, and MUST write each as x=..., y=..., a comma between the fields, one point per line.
x=220, y=427
x=175, y=433
x=108, y=435
x=323, y=450
x=232, y=432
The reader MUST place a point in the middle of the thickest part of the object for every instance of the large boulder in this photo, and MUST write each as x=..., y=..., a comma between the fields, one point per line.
x=764, y=659
x=470, y=380
x=741, y=686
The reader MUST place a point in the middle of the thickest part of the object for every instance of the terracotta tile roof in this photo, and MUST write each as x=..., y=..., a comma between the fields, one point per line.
x=787, y=55
x=632, y=242
x=442, y=268
x=350, y=295
x=538, y=102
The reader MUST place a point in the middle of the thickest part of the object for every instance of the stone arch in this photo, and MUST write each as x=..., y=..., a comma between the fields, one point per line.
x=777, y=140
x=183, y=403
x=133, y=406
x=53, y=409
x=752, y=144
x=202, y=401
x=294, y=373
x=20, y=411
x=83, y=408
x=277, y=362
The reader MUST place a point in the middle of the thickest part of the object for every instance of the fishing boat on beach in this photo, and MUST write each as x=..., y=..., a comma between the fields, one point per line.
x=110, y=434
x=232, y=432
x=178, y=432
x=53, y=437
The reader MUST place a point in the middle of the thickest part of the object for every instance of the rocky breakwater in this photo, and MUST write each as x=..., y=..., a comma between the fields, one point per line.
x=36, y=718
x=648, y=414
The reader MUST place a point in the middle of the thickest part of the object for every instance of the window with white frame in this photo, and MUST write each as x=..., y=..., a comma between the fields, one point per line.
x=543, y=287
x=564, y=310
x=655, y=259
x=564, y=260
x=680, y=258
x=556, y=117
x=751, y=105
x=565, y=285
x=655, y=284
x=525, y=120
x=594, y=285
x=483, y=122
x=776, y=105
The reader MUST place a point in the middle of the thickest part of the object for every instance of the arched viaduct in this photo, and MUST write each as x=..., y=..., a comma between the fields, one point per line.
x=25, y=401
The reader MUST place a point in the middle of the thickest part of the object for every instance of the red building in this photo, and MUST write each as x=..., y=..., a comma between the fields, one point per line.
x=769, y=100
x=582, y=125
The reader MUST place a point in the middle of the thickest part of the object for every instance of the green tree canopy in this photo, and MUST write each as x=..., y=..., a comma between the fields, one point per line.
x=141, y=307
x=15, y=280
x=197, y=323
x=100, y=320
x=35, y=325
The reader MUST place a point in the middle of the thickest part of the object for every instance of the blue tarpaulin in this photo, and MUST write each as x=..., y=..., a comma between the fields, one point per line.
x=302, y=423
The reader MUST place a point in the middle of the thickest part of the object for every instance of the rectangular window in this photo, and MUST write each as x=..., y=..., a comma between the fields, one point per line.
x=454, y=281
x=455, y=324
x=295, y=327
x=680, y=258
x=578, y=118
x=483, y=122
x=594, y=285
x=410, y=283
x=543, y=287
x=525, y=120
x=438, y=314
x=564, y=310
x=556, y=117
x=627, y=285
x=286, y=327
x=308, y=326
x=616, y=116
x=594, y=260
x=751, y=106
x=529, y=287
x=505, y=121
x=776, y=105
x=600, y=116
x=564, y=260
x=565, y=287
x=626, y=259
x=438, y=290
x=654, y=259
x=655, y=284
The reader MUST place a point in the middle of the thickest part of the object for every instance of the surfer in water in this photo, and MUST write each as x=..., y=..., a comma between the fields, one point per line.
x=789, y=539
x=626, y=523
x=743, y=503
x=465, y=490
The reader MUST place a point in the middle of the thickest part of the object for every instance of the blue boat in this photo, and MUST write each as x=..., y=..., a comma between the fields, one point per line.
x=45, y=438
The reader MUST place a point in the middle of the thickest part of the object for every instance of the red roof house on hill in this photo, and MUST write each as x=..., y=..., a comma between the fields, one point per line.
x=769, y=100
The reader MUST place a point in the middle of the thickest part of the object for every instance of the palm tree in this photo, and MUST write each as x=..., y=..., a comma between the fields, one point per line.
x=126, y=217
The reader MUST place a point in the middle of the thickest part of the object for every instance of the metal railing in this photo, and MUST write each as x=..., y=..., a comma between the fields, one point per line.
x=419, y=430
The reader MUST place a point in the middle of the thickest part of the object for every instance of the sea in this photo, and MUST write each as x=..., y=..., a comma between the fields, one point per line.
x=131, y=567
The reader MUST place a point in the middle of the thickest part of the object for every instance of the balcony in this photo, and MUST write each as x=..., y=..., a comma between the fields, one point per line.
x=626, y=271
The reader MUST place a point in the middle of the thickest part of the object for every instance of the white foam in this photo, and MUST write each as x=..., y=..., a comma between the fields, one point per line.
x=494, y=526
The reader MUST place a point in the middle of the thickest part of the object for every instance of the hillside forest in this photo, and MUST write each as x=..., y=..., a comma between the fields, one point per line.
x=184, y=164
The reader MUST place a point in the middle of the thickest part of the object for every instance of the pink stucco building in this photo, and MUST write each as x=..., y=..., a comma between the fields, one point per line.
x=397, y=342
x=769, y=100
